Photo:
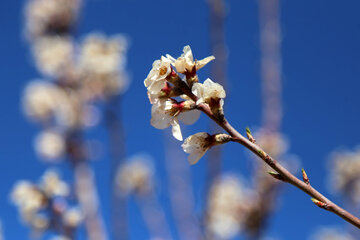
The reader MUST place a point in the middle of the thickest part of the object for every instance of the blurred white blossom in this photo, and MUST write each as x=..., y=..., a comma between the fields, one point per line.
x=136, y=175
x=102, y=55
x=40, y=100
x=50, y=16
x=53, y=55
x=345, y=173
x=227, y=199
x=52, y=185
x=50, y=145
x=72, y=217
x=28, y=198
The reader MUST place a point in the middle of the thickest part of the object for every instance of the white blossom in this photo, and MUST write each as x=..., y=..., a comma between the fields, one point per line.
x=27, y=197
x=208, y=91
x=52, y=185
x=40, y=100
x=50, y=145
x=156, y=79
x=136, y=175
x=165, y=113
x=345, y=173
x=226, y=196
x=196, y=145
x=185, y=63
x=72, y=217
x=43, y=16
x=101, y=55
x=53, y=55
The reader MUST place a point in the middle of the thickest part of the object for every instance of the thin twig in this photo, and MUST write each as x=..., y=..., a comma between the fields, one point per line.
x=288, y=177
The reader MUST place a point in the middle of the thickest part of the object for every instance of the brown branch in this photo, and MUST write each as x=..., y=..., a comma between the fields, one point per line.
x=288, y=177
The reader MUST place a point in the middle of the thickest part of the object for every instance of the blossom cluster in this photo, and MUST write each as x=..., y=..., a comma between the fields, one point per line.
x=227, y=204
x=175, y=93
x=77, y=76
x=345, y=173
x=135, y=175
x=44, y=206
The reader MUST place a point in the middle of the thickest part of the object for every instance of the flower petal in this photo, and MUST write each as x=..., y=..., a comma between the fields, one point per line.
x=176, y=131
x=201, y=63
x=189, y=117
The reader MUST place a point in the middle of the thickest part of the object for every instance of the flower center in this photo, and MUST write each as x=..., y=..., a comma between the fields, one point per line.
x=163, y=70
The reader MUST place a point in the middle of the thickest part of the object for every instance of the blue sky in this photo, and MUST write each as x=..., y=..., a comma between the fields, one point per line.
x=321, y=70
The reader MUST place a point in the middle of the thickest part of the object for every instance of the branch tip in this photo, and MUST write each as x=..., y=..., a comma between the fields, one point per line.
x=249, y=135
x=305, y=177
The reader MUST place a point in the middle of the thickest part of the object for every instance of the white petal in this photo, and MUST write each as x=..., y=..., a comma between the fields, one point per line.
x=188, y=54
x=176, y=131
x=156, y=87
x=172, y=60
x=203, y=62
x=180, y=65
x=194, y=158
x=189, y=117
x=159, y=118
x=198, y=90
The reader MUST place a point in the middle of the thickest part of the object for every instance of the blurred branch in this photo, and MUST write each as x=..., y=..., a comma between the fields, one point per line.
x=119, y=226
x=270, y=46
x=270, y=42
x=154, y=216
x=85, y=188
x=181, y=192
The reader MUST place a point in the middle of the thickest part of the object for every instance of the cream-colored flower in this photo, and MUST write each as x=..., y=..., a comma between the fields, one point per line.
x=345, y=173
x=185, y=63
x=40, y=100
x=208, y=91
x=52, y=185
x=50, y=145
x=72, y=217
x=53, y=55
x=156, y=79
x=136, y=175
x=226, y=196
x=101, y=55
x=166, y=112
x=43, y=16
x=27, y=197
x=196, y=145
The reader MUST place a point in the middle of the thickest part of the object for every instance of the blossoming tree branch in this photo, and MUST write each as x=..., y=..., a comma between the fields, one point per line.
x=177, y=95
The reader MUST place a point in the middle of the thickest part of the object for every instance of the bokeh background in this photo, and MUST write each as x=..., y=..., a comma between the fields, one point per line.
x=321, y=59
